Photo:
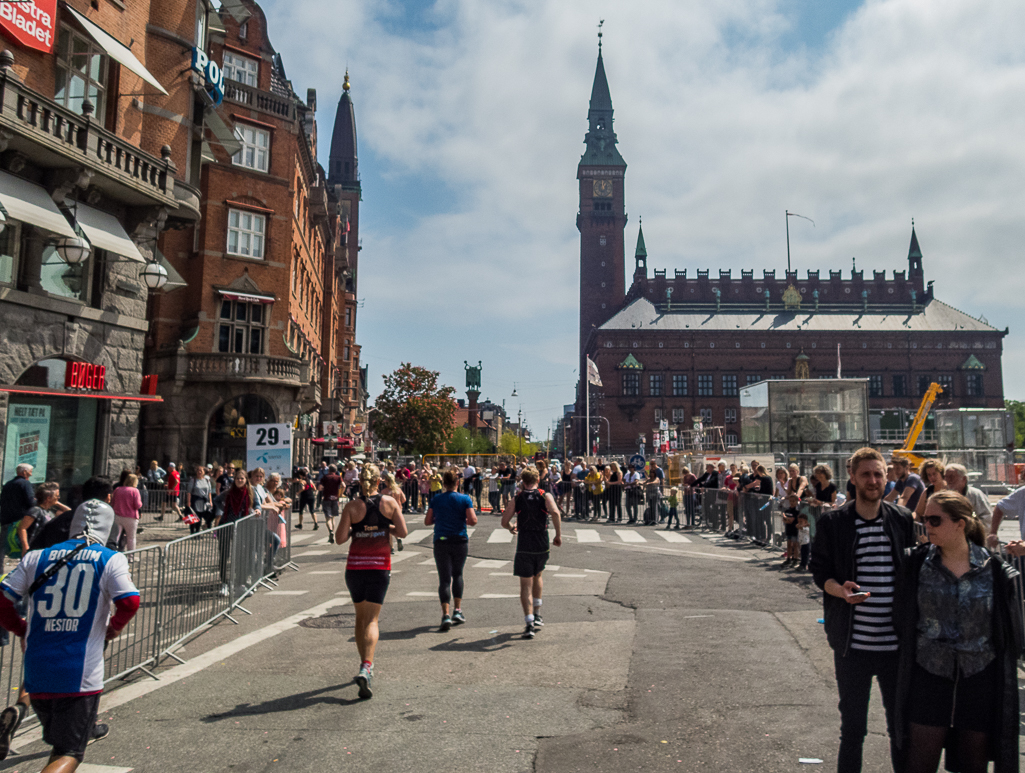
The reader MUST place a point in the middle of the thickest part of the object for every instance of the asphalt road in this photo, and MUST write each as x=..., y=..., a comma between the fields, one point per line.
x=656, y=655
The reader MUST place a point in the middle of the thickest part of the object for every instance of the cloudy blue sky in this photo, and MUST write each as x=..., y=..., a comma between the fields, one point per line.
x=471, y=116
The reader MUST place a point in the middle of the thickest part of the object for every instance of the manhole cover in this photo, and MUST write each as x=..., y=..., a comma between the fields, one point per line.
x=329, y=621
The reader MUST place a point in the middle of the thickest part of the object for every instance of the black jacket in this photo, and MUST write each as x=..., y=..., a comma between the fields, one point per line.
x=1007, y=641
x=832, y=557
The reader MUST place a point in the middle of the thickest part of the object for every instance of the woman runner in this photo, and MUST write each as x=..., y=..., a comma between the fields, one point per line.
x=450, y=513
x=369, y=519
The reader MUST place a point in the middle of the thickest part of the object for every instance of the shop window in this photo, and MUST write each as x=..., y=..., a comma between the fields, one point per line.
x=631, y=384
x=875, y=386
x=655, y=384
x=242, y=328
x=679, y=385
x=63, y=280
x=241, y=69
x=729, y=386
x=81, y=72
x=900, y=386
x=10, y=239
x=705, y=385
x=255, y=147
x=246, y=233
x=973, y=385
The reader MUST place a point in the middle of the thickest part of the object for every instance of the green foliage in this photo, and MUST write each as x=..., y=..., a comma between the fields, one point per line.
x=463, y=442
x=510, y=444
x=1017, y=409
x=416, y=413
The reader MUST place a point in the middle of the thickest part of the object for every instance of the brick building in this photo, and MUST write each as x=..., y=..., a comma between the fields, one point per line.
x=679, y=347
x=93, y=170
x=258, y=337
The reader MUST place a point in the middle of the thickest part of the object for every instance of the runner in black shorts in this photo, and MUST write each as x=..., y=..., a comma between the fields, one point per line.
x=369, y=520
x=450, y=513
x=531, y=508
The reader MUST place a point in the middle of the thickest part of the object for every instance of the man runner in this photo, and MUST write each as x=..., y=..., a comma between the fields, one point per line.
x=329, y=487
x=531, y=508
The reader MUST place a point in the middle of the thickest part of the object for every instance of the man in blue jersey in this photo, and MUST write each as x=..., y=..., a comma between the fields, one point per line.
x=68, y=589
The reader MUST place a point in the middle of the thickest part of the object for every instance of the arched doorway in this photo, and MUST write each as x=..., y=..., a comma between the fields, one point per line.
x=226, y=436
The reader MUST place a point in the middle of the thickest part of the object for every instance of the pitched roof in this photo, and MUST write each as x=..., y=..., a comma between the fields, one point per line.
x=936, y=316
x=601, y=99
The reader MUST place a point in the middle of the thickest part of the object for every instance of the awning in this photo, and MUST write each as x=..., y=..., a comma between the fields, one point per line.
x=44, y=392
x=236, y=9
x=104, y=231
x=30, y=203
x=174, y=279
x=116, y=50
x=223, y=133
x=230, y=295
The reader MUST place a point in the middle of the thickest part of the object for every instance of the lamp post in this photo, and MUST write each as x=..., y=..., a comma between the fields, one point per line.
x=519, y=429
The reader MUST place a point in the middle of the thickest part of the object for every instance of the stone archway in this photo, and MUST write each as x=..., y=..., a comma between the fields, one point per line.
x=226, y=426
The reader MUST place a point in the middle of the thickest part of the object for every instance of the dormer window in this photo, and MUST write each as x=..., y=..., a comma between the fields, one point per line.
x=243, y=30
x=240, y=69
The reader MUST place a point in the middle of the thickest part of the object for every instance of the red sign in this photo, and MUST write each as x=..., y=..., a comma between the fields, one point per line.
x=85, y=375
x=30, y=23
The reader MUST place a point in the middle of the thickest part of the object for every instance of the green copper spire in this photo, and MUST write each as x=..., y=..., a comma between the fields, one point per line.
x=641, y=251
x=600, y=139
x=914, y=252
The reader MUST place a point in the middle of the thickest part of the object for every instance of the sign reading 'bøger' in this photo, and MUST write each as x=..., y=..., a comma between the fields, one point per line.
x=30, y=23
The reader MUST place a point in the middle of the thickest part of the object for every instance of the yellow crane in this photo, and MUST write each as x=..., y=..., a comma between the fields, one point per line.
x=907, y=450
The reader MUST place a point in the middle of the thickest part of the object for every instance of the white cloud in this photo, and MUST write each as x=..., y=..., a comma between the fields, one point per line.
x=912, y=109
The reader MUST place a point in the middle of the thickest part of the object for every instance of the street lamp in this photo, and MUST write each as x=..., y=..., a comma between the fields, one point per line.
x=154, y=276
x=73, y=249
x=519, y=427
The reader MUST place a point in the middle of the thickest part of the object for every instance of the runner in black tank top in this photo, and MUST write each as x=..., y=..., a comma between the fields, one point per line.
x=531, y=509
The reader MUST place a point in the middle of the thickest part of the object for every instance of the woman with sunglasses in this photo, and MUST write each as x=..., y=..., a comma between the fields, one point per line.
x=959, y=628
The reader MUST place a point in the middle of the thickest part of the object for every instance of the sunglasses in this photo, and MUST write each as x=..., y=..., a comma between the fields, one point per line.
x=933, y=520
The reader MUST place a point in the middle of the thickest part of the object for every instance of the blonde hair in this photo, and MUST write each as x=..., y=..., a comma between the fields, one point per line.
x=132, y=480
x=389, y=481
x=369, y=478
x=529, y=476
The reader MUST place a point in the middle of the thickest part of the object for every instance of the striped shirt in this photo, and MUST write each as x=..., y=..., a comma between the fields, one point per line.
x=874, y=572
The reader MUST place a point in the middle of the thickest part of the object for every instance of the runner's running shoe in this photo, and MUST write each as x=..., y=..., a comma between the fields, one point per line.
x=363, y=680
x=10, y=718
x=446, y=623
x=458, y=618
x=99, y=732
x=538, y=622
x=528, y=633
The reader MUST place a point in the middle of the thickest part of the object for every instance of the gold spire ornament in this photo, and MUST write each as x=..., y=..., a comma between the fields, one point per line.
x=345, y=84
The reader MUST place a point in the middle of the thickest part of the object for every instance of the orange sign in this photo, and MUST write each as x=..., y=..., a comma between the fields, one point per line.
x=30, y=23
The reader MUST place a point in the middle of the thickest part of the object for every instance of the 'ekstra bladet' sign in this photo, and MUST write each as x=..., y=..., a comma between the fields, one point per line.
x=31, y=23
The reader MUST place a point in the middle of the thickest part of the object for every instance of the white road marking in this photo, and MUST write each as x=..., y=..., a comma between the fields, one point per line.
x=336, y=571
x=500, y=596
x=587, y=535
x=85, y=767
x=403, y=556
x=500, y=536
x=595, y=571
x=553, y=567
x=415, y=536
x=500, y=574
x=672, y=536
x=429, y=561
x=551, y=534
x=568, y=575
x=490, y=563
x=630, y=536
x=285, y=592
x=422, y=593
x=312, y=553
x=295, y=538
x=469, y=533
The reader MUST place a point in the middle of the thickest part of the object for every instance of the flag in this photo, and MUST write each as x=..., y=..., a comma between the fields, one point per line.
x=592, y=373
x=838, y=361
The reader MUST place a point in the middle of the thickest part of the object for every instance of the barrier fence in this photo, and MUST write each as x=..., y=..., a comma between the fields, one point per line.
x=185, y=586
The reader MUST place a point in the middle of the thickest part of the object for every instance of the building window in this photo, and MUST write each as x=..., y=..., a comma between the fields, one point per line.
x=242, y=328
x=900, y=386
x=243, y=30
x=631, y=384
x=973, y=385
x=255, y=147
x=705, y=385
x=658, y=415
x=875, y=386
x=679, y=385
x=923, y=385
x=753, y=379
x=678, y=415
x=240, y=69
x=348, y=318
x=245, y=233
x=655, y=384
x=730, y=416
x=947, y=382
x=729, y=386
x=731, y=438
x=10, y=241
x=81, y=72
x=601, y=240
x=345, y=354
x=706, y=415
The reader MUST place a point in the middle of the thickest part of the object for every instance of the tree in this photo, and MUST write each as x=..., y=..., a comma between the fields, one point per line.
x=462, y=442
x=416, y=413
x=1017, y=409
x=510, y=444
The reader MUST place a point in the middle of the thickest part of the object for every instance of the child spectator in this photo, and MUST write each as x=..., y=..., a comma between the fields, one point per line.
x=673, y=500
x=804, y=540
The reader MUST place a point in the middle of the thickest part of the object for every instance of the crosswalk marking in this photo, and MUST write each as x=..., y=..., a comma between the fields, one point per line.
x=490, y=563
x=552, y=567
x=567, y=575
x=587, y=535
x=422, y=593
x=672, y=536
x=629, y=536
x=429, y=561
x=86, y=767
x=406, y=554
x=285, y=592
x=499, y=536
x=336, y=571
x=312, y=553
x=415, y=536
x=500, y=595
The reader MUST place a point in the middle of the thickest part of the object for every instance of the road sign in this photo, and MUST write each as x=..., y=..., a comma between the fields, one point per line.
x=330, y=453
x=269, y=446
x=637, y=460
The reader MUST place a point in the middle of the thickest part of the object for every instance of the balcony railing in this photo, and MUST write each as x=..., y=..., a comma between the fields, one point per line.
x=265, y=101
x=81, y=140
x=215, y=367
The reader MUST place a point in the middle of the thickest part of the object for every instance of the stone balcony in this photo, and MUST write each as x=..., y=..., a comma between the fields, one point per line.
x=257, y=99
x=54, y=137
x=182, y=366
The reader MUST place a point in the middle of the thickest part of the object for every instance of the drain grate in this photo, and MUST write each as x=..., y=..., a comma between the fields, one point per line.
x=340, y=620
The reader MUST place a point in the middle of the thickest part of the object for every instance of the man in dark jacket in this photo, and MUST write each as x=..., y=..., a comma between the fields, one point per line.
x=856, y=560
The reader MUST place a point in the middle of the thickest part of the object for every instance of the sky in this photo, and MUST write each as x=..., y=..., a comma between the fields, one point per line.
x=471, y=116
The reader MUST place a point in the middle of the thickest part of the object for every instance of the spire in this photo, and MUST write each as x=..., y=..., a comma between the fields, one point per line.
x=914, y=252
x=641, y=251
x=343, y=166
x=600, y=139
